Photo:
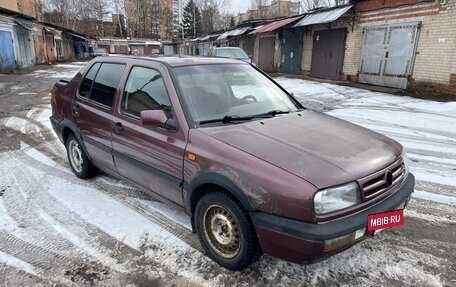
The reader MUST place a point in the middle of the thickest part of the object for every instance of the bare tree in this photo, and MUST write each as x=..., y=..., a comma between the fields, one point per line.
x=120, y=10
x=257, y=4
x=314, y=4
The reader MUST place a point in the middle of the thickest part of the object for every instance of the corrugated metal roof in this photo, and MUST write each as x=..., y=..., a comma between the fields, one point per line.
x=79, y=36
x=54, y=31
x=235, y=32
x=271, y=27
x=240, y=31
x=323, y=16
x=205, y=38
x=24, y=23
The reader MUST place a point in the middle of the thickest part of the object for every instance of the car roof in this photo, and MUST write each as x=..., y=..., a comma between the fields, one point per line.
x=179, y=61
x=227, y=48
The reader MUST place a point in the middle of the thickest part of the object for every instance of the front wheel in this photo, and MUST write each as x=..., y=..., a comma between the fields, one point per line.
x=80, y=164
x=225, y=231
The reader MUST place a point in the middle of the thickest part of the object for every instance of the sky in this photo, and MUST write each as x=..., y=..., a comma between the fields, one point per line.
x=239, y=6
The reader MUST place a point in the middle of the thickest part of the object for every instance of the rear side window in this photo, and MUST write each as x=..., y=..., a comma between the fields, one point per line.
x=86, y=85
x=103, y=88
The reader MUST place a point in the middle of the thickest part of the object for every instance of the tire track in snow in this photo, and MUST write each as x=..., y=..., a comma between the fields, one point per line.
x=161, y=220
x=16, y=276
x=436, y=188
x=118, y=193
x=87, y=232
x=49, y=236
x=43, y=147
x=30, y=253
x=176, y=229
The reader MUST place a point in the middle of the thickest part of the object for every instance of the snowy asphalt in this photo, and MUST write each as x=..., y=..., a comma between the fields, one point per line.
x=58, y=230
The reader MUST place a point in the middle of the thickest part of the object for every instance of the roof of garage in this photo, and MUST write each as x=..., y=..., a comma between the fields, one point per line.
x=271, y=27
x=325, y=16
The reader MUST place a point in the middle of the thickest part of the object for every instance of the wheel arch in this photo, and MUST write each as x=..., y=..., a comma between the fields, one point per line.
x=68, y=127
x=204, y=183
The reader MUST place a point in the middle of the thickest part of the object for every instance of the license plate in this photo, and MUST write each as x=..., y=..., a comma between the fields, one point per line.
x=381, y=221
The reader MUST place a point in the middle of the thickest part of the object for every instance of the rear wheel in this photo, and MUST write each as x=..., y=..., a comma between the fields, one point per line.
x=79, y=162
x=226, y=232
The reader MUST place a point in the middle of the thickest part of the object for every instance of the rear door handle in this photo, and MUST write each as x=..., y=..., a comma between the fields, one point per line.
x=76, y=108
x=118, y=127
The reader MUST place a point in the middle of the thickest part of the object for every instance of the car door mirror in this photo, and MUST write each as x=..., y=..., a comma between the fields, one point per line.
x=156, y=118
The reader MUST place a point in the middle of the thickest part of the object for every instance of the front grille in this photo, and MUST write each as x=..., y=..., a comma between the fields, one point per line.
x=383, y=180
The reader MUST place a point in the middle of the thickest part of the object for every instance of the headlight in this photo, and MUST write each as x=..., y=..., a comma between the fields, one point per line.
x=336, y=198
x=406, y=162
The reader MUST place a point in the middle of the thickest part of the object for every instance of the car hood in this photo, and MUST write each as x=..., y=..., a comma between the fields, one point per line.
x=321, y=149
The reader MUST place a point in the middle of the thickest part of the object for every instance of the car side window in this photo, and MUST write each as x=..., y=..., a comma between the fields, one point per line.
x=106, y=82
x=145, y=90
x=87, y=82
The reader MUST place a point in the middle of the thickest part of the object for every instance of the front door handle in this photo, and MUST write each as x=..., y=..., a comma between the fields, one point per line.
x=118, y=127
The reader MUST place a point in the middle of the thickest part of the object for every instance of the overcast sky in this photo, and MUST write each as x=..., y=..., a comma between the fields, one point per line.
x=239, y=6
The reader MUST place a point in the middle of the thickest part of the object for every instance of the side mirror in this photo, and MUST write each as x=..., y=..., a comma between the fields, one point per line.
x=156, y=118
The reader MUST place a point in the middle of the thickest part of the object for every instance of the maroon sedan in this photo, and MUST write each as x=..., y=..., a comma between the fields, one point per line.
x=255, y=170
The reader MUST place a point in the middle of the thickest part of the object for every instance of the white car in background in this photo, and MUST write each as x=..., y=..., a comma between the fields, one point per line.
x=100, y=52
x=230, y=52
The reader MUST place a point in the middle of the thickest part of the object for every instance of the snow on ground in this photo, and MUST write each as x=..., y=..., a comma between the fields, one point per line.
x=62, y=230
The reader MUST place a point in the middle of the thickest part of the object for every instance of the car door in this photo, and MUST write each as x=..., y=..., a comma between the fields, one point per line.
x=92, y=111
x=150, y=156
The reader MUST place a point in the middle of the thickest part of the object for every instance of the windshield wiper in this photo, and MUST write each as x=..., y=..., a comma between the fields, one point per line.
x=277, y=112
x=230, y=119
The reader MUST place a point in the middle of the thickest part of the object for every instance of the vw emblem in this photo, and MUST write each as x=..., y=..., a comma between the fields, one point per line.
x=389, y=178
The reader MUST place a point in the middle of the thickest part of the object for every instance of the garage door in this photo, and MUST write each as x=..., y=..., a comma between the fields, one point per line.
x=266, y=54
x=7, y=61
x=292, y=40
x=388, y=54
x=328, y=53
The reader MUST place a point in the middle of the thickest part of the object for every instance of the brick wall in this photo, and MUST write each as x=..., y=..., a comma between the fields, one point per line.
x=9, y=4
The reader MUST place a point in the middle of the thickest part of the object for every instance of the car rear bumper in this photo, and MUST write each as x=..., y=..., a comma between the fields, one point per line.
x=304, y=242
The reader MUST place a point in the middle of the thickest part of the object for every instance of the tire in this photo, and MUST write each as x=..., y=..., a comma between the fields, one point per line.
x=225, y=231
x=80, y=164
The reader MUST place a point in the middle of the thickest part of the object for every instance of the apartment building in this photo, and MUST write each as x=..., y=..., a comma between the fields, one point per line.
x=277, y=9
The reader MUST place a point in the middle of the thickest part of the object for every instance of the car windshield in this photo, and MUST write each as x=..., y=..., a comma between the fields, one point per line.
x=230, y=91
x=231, y=53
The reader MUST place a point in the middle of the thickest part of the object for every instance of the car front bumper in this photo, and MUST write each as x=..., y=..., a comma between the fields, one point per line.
x=304, y=242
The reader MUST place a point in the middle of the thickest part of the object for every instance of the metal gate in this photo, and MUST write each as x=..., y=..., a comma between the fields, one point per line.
x=266, y=54
x=7, y=61
x=388, y=54
x=328, y=53
x=292, y=40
